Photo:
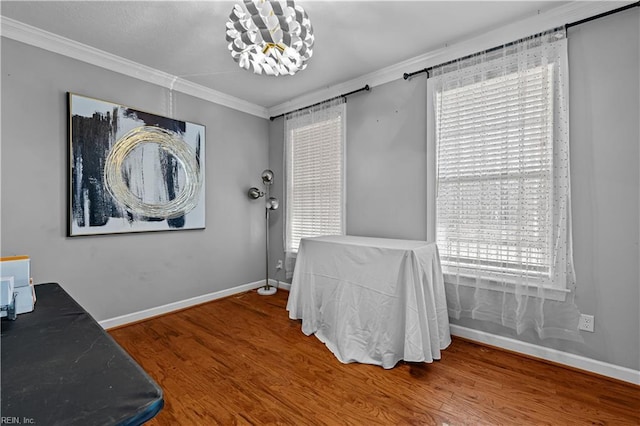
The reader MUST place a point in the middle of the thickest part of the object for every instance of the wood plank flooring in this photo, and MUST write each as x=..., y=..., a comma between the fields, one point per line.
x=241, y=360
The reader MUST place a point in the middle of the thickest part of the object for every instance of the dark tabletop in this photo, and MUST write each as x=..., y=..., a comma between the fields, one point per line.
x=59, y=367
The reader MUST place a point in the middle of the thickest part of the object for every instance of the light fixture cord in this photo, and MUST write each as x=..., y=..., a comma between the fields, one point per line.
x=171, y=112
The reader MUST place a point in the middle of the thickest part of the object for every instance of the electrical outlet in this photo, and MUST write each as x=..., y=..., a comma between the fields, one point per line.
x=586, y=322
x=279, y=264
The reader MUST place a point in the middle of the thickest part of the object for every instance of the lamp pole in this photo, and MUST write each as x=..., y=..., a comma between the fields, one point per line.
x=266, y=215
x=271, y=203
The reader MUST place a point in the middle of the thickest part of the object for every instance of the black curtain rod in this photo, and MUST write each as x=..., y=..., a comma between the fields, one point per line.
x=493, y=49
x=407, y=76
x=344, y=95
x=603, y=14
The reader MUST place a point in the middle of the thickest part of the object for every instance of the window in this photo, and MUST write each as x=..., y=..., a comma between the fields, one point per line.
x=500, y=193
x=314, y=164
x=495, y=175
x=499, y=185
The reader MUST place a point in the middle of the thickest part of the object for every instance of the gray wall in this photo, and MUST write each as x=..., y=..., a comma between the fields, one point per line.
x=120, y=274
x=386, y=180
x=605, y=112
x=386, y=175
x=386, y=161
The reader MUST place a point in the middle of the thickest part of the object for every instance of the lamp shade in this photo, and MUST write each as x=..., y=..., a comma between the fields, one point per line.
x=267, y=177
x=272, y=203
x=254, y=193
x=270, y=37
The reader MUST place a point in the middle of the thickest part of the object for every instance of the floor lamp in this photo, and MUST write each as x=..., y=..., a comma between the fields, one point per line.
x=270, y=204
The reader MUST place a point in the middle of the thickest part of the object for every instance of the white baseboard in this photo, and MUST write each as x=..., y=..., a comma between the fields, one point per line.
x=556, y=356
x=564, y=358
x=181, y=304
x=280, y=284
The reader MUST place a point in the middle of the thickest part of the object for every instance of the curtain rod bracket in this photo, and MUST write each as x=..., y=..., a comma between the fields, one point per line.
x=407, y=76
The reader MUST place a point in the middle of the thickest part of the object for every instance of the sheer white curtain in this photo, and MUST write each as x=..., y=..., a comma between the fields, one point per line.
x=314, y=175
x=502, y=189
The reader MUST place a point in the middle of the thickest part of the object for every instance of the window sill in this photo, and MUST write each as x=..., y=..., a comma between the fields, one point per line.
x=507, y=285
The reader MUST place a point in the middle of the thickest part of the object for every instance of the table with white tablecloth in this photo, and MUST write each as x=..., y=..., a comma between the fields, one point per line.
x=371, y=300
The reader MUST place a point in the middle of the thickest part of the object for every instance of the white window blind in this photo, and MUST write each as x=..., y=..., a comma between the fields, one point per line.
x=314, y=158
x=495, y=175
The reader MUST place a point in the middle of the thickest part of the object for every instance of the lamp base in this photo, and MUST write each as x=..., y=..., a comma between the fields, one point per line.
x=267, y=291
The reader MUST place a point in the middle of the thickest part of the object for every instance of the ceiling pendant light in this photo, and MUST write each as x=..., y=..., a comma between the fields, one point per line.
x=270, y=37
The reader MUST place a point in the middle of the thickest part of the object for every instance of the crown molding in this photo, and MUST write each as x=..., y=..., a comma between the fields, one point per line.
x=556, y=17
x=545, y=20
x=36, y=37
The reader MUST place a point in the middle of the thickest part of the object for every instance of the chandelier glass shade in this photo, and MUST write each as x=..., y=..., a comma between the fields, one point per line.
x=270, y=37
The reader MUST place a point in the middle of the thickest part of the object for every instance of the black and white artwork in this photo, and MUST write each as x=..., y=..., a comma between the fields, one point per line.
x=132, y=171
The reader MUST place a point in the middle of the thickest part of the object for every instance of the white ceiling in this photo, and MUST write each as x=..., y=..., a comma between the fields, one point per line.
x=187, y=38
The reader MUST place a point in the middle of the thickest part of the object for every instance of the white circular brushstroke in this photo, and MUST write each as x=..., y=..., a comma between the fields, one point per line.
x=169, y=142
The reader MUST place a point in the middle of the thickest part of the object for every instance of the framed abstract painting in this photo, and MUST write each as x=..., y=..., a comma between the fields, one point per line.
x=132, y=171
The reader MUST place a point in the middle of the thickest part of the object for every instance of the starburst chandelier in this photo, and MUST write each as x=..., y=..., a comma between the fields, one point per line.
x=270, y=37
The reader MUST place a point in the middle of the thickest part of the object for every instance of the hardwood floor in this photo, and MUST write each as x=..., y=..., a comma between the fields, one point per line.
x=241, y=360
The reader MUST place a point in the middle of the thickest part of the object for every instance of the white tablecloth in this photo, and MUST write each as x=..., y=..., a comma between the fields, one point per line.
x=371, y=300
